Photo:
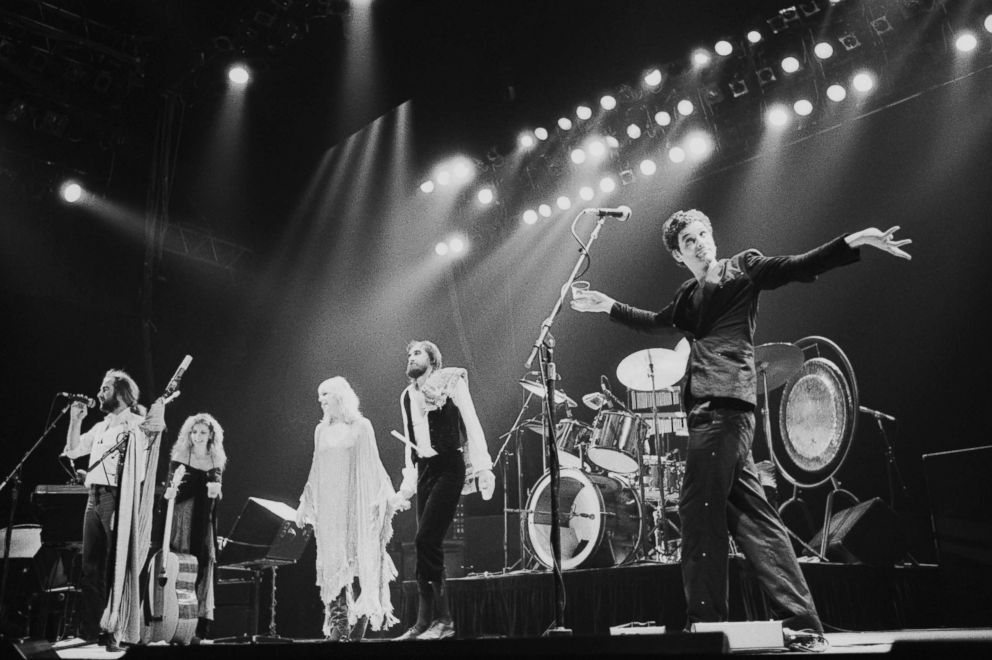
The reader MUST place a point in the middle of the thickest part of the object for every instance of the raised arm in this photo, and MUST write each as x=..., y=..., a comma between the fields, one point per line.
x=880, y=240
x=478, y=451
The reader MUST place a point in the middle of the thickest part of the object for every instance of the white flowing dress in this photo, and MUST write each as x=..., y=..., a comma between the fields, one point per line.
x=347, y=500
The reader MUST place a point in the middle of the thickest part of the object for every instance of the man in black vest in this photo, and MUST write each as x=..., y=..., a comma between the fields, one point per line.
x=717, y=308
x=448, y=447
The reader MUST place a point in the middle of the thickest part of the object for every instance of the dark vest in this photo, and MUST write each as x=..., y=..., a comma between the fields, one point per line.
x=447, y=429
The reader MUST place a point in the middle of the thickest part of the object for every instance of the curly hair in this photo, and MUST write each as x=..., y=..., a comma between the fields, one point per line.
x=345, y=398
x=433, y=352
x=125, y=389
x=677, y=222
x=183, y=447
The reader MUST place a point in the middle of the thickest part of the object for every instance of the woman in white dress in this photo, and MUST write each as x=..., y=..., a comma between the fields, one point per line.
x=350, y=501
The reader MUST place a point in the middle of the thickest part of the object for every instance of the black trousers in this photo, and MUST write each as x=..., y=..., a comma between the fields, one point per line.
x=98, y=550
x=721, y=493
x=439, y=487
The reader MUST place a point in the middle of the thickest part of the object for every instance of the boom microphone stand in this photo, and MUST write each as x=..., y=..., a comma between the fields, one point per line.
x=548, y=374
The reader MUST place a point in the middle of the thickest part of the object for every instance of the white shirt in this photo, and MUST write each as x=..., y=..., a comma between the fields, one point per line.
x=478, y=453
x=101, y=438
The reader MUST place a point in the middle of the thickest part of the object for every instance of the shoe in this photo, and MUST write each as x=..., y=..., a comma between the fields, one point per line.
x=438, y=630
x=412, y=633
x=112, y=646
x=806, y=640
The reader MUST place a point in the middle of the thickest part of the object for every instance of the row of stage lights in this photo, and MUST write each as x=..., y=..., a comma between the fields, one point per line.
x=695, y=146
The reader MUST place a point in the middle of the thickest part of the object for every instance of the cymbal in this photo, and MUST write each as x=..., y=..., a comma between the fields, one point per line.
x=538, y=389
x=776, y=363
x=594, y=400
x=668, y=366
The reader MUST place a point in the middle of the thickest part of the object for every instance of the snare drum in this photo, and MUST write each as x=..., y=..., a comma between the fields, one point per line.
x=615, y=438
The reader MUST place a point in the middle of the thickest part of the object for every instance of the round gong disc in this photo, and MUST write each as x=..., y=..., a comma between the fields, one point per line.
x=816, y=420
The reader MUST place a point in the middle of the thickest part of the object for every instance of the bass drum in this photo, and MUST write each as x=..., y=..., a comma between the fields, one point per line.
x=601, y=520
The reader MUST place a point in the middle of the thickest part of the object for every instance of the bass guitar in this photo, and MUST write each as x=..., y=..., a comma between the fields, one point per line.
x=170, y=606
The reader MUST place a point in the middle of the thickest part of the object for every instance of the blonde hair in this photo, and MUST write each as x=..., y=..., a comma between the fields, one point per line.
x=183, y=448
x=344, y=396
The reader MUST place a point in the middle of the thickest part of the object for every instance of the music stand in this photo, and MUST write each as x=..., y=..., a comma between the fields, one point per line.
x=264, y=537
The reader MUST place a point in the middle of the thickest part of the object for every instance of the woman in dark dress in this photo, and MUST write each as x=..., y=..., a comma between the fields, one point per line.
x=200, y=448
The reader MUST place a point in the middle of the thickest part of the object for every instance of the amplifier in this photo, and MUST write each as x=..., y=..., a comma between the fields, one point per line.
x=60, y=509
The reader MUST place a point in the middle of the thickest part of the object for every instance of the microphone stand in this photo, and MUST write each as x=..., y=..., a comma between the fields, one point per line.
x=14, y=479
x=551, y=448
x=891, y=467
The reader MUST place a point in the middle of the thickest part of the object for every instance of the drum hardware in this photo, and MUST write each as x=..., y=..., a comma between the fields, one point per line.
x=594, y=400
x=653, y=369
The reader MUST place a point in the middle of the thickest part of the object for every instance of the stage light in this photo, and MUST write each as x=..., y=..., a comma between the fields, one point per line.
x=766, y=76
x=836, y=93
x=676, y=154
x=803, y=107
x=723, y=48
x=462, y=170
x=607, y=184
x=541, y=133
x=443, y=178
x=738, y=87
x=597, y=148
x=652, y=78
x=790, y=64
x=486, y=195
x=662, y=118
x=427, y=186
x=685, y=107
x=578, y=156
x=71, y=192
x=699, y=145
x=863, y=82
x=238, y=74
x=530, y=216
x=612, y=142
x=777, y=115
x=544, y=210
x=966, y=42
x=583, y=112
x=823, y=50
x=849, y=41
x=988, y=23
x=441, y=249
x=754, y=37
x=607, y=102
x=586, y=193
x=633, y=131
x=565, y=124
x=563, y=202
x=526, y=140
x=648, y=167
x=456, y=245
x=701, y=57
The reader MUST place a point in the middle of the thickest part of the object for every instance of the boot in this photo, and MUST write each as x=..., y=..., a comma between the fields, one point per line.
x=336, y=620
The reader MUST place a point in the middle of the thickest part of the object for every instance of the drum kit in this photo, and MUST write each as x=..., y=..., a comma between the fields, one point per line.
x=620, y=476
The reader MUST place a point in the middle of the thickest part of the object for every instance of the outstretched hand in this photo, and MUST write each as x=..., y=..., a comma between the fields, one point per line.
x=881, y=240
x=591, y=301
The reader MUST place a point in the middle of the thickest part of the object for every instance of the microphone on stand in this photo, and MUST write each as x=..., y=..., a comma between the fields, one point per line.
x=81, y=398
x=604, y=385
x=621, y=213
x=876, y=414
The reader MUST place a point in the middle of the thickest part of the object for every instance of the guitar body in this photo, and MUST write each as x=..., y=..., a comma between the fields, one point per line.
x=169, y=586
x=171, y=606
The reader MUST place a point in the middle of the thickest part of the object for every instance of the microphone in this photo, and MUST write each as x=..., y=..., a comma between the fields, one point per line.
x=604, y=385
x=621, y=213
x=176, y=377
x=81, y=398
x=876, y=414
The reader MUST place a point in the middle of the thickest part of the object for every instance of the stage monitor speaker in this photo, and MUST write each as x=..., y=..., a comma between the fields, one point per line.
x=959, y=491
x=264, y=534
x=60, y=511
x=31, y=649
x=867, y=533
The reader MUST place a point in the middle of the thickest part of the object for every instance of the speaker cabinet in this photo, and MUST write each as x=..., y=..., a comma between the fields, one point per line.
x=867, y=533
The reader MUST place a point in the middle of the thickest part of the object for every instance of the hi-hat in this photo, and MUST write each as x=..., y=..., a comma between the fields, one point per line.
x=654, y=368
x=775, y=364
x=538, y=389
